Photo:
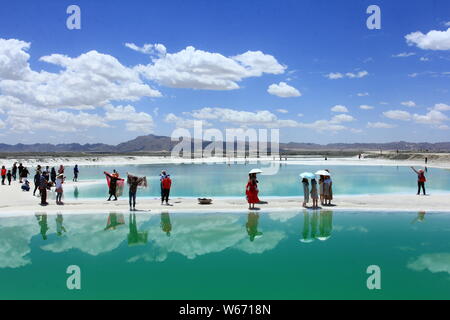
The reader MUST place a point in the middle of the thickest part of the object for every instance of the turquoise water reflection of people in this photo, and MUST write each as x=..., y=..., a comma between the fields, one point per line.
x=43, y=224
x=252, y=226
x=76, y=193
x=317, y=226
x=420, y=217
x=306, y=229
x=135, y=237
x=325, y=225
x=166, y=224
x=115, y=220
x=60, y=229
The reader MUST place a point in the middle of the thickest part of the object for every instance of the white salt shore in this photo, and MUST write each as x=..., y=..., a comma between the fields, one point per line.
x=15, y=202
x=138, y=160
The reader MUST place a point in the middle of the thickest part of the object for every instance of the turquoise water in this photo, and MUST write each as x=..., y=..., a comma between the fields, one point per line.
x=226, y=256
x=221, y=180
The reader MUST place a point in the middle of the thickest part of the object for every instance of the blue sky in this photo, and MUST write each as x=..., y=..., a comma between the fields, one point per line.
x=320, y=54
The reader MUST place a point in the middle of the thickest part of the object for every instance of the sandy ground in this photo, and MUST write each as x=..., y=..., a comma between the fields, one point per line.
x=15, y=202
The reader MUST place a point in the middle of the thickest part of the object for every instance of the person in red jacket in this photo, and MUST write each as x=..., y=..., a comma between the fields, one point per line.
x=251, y=190
x=166, y=185
x=421, y=179
x=3, y=175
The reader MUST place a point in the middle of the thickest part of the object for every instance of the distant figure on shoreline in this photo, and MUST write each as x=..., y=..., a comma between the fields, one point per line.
x=53, y=175
x=76, y=171
x=23, y=175
x=9, y=177
x=421, y=180
x=20, y=169
x=3, y=173
x=14, y=171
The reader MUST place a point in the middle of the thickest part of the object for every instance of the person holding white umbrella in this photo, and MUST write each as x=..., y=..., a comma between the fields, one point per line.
x=305, y=182
x=251, y=190
x=326, y=187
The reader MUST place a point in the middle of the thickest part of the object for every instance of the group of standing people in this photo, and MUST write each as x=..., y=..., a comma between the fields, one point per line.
x=322, y=190
x=115, y=185
x=44, y=180
x=11, y=174
x=17, y=171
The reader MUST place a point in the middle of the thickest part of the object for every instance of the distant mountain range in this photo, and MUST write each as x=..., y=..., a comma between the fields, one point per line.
x=153, y=143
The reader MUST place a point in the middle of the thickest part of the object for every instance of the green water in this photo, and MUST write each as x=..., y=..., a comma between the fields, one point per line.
x=226, y=256
x=222, y=180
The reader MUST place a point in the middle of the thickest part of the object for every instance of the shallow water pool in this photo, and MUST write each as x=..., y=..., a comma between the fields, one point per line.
x=222, y=180
x=288, y=255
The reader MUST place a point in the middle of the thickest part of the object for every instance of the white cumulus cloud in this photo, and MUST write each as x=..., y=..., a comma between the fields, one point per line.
x=404, y=55
x=135, y=121
x=283, y=90
x=350, y=75
x=398, y=115
x=433, y=40
x=379, y=125
x=339, y=109
x=410, y=104
x=197, y=69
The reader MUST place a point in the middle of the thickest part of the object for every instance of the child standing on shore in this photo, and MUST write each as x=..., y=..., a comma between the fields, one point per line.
x=9, y=177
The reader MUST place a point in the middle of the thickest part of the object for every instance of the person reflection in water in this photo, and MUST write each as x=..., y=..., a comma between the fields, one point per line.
x=325, y=225
x=43, y=224
x=420, y=217
x=252, y=226
x=306, y=229
x=76, y=193
x=317, y=227
x=309, y=227
x=135, y=237
x=114, y=220
x=59, y=225
x=166, y=224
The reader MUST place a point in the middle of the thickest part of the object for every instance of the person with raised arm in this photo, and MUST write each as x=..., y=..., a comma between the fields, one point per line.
x=421, y=180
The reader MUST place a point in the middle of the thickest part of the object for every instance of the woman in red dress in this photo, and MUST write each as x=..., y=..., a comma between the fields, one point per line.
x=252, y=191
